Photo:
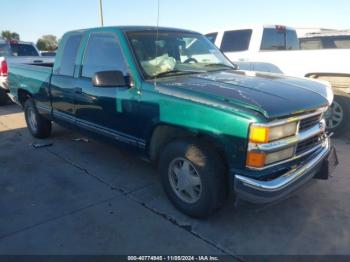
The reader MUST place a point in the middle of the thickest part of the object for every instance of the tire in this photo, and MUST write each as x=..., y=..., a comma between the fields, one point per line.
x=38, y=126
x=4, y=99
x=338, y=115
x=205, y=172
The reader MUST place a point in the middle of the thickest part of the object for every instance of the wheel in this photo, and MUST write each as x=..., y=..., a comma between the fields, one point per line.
x=38, y=126
x=338, y=115
x=4, y=99
x=193, y=177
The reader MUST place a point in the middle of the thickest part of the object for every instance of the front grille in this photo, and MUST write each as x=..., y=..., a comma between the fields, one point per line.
x=308, y=144
x=309, y=122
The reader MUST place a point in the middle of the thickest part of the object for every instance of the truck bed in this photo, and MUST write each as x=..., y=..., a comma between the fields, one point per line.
x=33, y=78
x=29, y=60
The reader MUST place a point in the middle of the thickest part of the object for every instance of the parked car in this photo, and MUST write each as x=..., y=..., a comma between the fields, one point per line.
x=279, y=46
x=209, y=127
x=48, y=53
x=16, y=52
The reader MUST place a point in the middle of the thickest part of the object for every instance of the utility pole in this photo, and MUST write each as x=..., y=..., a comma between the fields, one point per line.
x=101, y=13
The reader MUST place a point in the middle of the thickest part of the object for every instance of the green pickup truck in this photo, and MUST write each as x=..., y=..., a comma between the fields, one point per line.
x=174, y=98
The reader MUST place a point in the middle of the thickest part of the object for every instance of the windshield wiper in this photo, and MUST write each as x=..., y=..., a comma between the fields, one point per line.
x=176, y=71
x=222, y=65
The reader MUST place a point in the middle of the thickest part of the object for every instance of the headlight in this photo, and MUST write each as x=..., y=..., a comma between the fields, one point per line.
x=262, y=134
x=261, y=159
x=279, y=155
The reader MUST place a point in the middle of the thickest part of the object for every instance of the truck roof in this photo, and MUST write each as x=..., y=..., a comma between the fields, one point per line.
x=133, y=29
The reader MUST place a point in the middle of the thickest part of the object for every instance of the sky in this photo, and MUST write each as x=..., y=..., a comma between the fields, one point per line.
x=34, y=18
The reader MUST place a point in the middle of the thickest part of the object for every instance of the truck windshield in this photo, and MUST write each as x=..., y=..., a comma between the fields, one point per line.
x=23, y=50
x=4, y=49
x=175, y=53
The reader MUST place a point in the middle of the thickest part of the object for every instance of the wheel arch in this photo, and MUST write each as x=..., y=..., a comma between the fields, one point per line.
x=163, y=134
x=23, y=95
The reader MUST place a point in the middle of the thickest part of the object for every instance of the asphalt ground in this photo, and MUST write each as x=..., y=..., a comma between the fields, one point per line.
x=82, y=196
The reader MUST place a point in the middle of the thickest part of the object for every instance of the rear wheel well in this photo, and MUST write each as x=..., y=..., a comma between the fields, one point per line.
x=23, y=95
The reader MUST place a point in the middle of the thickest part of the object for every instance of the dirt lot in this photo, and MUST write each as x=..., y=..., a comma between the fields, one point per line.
x=79, y=197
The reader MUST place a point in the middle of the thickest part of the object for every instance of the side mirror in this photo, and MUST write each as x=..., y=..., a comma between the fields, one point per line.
x=109, y=79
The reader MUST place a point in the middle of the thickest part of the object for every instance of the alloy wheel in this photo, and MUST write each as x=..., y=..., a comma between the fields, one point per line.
x=185, y=180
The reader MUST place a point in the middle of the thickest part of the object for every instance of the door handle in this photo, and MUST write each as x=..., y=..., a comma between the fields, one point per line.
x=78, y=90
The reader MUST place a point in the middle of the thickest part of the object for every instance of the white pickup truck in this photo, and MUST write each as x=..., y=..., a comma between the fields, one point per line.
x=276, y=49
x=17, y=52
x=324, y=39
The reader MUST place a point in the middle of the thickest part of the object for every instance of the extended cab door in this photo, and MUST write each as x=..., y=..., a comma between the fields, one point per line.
x=63, y=83
x=106, y=110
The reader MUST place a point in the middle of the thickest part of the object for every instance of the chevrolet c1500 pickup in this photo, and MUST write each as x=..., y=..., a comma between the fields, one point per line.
x=174, y=98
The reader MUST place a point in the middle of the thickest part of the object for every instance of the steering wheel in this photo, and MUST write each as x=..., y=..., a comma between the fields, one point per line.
x=190, y=60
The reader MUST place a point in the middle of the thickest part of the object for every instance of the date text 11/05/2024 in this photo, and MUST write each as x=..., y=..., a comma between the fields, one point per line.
x=173, y=258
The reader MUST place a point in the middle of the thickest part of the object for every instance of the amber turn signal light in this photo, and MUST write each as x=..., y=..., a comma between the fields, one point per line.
x=259, y=134
x=256, y=159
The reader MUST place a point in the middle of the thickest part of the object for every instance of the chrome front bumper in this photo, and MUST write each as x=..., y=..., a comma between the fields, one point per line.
x=258, y=191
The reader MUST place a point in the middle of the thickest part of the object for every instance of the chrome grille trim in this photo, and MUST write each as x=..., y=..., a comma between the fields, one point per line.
x=290, y=141
x=308, y=144
x=322, y=144
x=309, y=122
x=318, y=129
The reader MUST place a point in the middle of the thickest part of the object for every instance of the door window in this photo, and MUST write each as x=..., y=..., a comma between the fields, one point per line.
x=69, y=55
x=310, y=44
x=103, y=53
x=4, y=49
x=342, y=42
x=23, y=50
x=237, y=40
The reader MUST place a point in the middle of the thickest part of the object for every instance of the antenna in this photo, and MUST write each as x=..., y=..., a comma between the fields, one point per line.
x=101, y=13
x=158, y=14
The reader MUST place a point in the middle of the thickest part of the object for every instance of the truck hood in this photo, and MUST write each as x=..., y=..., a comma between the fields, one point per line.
x=272, y=95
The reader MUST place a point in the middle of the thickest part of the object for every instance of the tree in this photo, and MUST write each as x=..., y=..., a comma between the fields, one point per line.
x=8, y=35
x=47, y=43
x=15, y=36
